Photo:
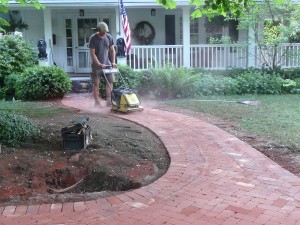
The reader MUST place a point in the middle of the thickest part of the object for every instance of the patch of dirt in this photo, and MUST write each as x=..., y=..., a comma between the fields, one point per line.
x=286, y=156
x=121, y=156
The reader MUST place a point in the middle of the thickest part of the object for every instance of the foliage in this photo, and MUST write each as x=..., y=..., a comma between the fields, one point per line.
x=272, y=23
x=170, y=82
x=290, y=73
x=213, y=7
x=15, y=129
x=14, y=24
x=166, y=83
x=4, y=4
x=42, y=82
x=131, y=79
x=16, y=55
x=258, y=83
x=9, y=84
x=207, y=84
x=222, y=40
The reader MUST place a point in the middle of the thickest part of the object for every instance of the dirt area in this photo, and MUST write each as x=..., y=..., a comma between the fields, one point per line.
x=121, y=156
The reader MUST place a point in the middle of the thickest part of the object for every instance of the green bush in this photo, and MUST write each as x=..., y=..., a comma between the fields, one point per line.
x=42, y=82
x=131, y=78
x=214, y=85
x=291, y=73
x=258, y=83
x=16, y=129
x=9, y=84
x=170, y=82
x=16, y=55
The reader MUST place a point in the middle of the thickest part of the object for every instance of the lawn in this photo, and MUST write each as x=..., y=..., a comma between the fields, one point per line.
x=31, y=109
x=276, y=118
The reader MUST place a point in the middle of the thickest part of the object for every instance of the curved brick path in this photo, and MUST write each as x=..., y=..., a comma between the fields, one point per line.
x=214, y=178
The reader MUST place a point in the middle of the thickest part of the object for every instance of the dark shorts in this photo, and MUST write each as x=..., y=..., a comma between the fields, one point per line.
x=97, y=74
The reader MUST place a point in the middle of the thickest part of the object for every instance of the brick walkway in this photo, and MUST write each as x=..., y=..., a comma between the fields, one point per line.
x=214, y=178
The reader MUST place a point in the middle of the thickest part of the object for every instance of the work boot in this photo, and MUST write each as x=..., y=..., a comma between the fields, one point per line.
x=97, y=103
x=108, y=102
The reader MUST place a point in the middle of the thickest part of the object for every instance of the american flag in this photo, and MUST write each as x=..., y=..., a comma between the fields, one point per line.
x=126, y=28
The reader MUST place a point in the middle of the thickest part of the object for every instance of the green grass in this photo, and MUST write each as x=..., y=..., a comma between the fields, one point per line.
x=276, y=118
x=31, y=109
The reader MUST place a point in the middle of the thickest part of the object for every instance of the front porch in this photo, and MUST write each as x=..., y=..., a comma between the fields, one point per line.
x=206, y=56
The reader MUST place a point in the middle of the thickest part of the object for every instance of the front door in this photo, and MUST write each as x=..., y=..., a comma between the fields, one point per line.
x=85, y=28
x=84, y=31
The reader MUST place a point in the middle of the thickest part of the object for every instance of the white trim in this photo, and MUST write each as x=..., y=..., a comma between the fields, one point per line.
x=186, y=38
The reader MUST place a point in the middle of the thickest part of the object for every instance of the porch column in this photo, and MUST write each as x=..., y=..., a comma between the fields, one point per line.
x=186, y=36
x=118, y=23
x=48, y=34
x=251, y=48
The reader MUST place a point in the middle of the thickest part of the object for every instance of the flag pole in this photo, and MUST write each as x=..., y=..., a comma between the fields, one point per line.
x=119, y=18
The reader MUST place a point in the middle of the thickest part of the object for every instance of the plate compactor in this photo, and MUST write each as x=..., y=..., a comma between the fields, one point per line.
x=122, y=99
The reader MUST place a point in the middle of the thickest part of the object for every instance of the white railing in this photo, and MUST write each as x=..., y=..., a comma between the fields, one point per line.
x=145, y=56
x=218, y=56
x=207, y=56
x=288, y=55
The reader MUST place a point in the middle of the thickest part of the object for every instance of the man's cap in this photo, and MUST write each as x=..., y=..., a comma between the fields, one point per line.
x=102, y=26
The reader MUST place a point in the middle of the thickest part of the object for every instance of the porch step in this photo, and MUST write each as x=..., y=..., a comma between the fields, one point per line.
x=81, y=84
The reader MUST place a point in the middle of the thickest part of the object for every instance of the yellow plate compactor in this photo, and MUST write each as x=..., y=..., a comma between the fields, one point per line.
x=122, y=99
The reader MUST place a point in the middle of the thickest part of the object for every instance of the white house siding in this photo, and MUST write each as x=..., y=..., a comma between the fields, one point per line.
x=35, y=21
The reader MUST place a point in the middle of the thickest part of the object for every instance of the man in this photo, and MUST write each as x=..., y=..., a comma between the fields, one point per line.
x=102, y=52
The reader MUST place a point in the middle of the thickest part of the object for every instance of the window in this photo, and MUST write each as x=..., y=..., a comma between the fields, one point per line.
x=194, y=31
x=69, y=41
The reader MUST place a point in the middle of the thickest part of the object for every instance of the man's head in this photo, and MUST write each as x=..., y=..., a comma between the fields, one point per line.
x=102, y=28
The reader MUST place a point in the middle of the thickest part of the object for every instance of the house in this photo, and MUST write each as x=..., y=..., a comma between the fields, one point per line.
x=161, y=36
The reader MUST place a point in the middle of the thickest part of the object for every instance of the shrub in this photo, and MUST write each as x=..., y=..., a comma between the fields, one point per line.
x=16, y=55
x=257, y=83
x=207, y=84
x=16, y=129
x=171, y=82
x=132, y=79
x=42, y=82
x=9, y=84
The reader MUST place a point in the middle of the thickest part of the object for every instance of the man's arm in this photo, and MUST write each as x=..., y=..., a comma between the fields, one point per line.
x=95, y=59
x=112, y=55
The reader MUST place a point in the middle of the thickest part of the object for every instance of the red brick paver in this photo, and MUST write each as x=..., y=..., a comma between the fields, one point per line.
x=214, y=178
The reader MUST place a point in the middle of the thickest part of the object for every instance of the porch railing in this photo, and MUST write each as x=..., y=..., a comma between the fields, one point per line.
x=154, y=56
x=207, y=56
x=218, y=56
x=288, y=55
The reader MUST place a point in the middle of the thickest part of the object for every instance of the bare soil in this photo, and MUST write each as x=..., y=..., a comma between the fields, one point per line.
x=121, y=156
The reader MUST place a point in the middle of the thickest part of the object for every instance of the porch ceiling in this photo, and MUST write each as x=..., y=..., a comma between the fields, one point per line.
x=102, y=3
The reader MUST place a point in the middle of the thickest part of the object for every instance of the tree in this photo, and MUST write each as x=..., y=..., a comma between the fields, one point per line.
x=211, y=8
x=4, y=4
x=272, y=24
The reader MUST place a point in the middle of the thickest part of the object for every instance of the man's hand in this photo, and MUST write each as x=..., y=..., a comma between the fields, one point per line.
x=114, y=65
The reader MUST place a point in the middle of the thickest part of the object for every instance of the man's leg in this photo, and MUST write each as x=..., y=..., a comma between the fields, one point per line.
x=96, y=84
x=108, y=88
